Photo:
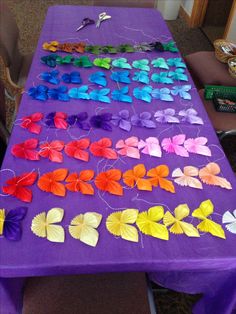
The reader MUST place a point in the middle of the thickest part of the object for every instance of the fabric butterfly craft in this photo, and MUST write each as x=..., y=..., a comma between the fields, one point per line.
x=108, y=181
x=143, y=93
x=50, y=77
x=100, y=95
x=57, y=120
x=121, y=63
x=174, y=145
x=187, y=177
x=141, y=77
x=98, y=78
x=10, y=223
x=77, y=149
x=52, y=150
x=79, y=92
x=50, y=182
x=72, y=78
x=121, y=77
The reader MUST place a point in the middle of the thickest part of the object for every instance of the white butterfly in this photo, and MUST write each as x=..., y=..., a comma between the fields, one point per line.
x=230, y=219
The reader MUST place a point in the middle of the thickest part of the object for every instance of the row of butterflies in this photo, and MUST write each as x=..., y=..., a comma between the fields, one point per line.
x=146, y=94
x=154, y=222
x=53, y=60
x=105, y=121
x=108, y=181
x=116, y=76
x=130, y=147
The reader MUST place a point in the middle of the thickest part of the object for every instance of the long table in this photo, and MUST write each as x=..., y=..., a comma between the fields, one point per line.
x=205, y=264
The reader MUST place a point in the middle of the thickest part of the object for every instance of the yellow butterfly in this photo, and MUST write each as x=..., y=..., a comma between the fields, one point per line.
x=83, y=227
x=205, y=209
x=43, y=225
x=179, y=226
x=147, y=223
x=118, y=224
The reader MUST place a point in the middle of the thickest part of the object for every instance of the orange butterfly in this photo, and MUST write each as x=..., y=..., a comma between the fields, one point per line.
x=209, y=176
x=158, y=176
x=135, y=177
x=77, y=182
x=50, y=182
x=107, y=181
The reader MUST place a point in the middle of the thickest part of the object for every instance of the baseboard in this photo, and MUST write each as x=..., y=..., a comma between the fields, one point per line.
x=184, y=15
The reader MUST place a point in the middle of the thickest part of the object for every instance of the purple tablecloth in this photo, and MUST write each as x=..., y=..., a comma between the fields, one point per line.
x=193, y=265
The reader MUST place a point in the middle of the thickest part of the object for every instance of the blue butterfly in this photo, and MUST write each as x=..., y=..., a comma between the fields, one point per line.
x=79, y=92
x=121, y=76
x=141, y=77
x=40, y=92
x=98, y=78
x=182, y=91
x=177, y=62
x=50, y=77
x=120, y=95
x=178, y=75
x=100, y=95
x=59, y=93
x=143, y=93
x=162, y=94
x=73, y=77
x=49, y=60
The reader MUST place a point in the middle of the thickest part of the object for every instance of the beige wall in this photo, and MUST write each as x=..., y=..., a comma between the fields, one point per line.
x=187, y=5
x=231, y=35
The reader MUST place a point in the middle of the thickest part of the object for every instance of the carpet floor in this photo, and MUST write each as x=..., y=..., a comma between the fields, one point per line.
x=30, y=16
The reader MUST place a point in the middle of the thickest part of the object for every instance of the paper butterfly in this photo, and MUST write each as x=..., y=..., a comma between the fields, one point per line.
x=52, y=46
x=161, y=77
x=120, y=94
x=121, y=76
x=79, y=182
x=141, y=64
x=83, y=62
x=50, y=77
x=191, y=116
x=118, y=224
x=29, y=122
x=39, y=93
x=143, y=93
x=122, y=120
x=121, y=63
x=160, y=63
x=26, y=150
x=10, y=223
x=52, y=150
x=125, y=48
x=102, y=148
x=179, y=226
x=100, y=95
x=178, y=75
x=57, y=120
x=150, y=147
x=79, y=92
x=162, y=94
x=230, y=219
x=102, y=121
x=72, y=78
x=134, y=177
x=197, y=146
x=50, y=182
x=158, y=178
x=108, y=182
x=143, y=120
x=166, y=116
x=76, y=149
x=209, y=176
x=141, y=77
x=44, y=225
x=176, y=62
x=182, y=91
x=98, y=78
x=186, y=177
x=64, y=60
x=79, y=120
x=147, y=223
x=207, y=225
x=102, y=63
x=128, y=147
x=173, y=145
x=59, y=93
x=83, y=228
x=18, y=186
x=49, y=60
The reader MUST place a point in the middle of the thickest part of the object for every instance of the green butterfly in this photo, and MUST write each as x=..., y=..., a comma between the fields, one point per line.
x=64, y=60
x=160, y=63
x=93, y=49
x=102, y=63
x=121, y=63
x=108, y=49
x=170, y=46
x=83, y=62
x=141, y=64
x=125, y=48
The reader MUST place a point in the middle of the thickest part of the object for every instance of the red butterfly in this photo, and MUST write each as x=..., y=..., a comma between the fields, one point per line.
x=76, y=149
x=17, y=186
x=26, y=150
x=60, y=120
x=52, y=150
x=102, y=149
x=28, y=122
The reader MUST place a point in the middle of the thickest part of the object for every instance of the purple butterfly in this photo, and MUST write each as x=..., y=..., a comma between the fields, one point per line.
x=166, y=116
x=122, y=120
x=143, y=120
x=190, y=115
x=102, y=121
x=79, y=120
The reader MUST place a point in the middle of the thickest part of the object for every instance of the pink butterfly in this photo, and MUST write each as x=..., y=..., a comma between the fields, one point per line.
x=150, y=147
x=52, y=150
x=186, y=177
x=28, y=122
x=129, y=147
x=197, y=146
x=60, y=120
x=26, y=150
x=173, y=145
